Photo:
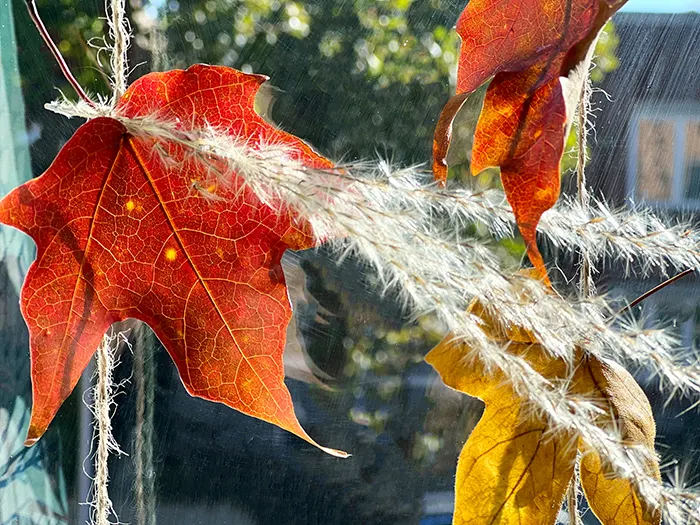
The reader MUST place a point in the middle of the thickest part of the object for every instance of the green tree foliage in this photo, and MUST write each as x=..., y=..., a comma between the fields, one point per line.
x=354, y=77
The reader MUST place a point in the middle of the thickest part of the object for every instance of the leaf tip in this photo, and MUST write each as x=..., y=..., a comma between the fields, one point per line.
x=443, y=136
x=336, y=453
x=440, y=172
x=34, y=433
x=29, y=442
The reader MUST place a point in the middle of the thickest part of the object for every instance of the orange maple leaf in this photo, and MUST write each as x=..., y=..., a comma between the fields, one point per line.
x=121, y=234
x=538, y=54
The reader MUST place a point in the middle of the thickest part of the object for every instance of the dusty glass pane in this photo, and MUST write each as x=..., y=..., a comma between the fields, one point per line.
x=655, y=161
x=354, y=79
x=692, y=158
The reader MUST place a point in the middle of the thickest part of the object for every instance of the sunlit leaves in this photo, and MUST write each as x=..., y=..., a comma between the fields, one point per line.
x=629, y=415
x=537, y=64
x=516, y=467
x=513, y=469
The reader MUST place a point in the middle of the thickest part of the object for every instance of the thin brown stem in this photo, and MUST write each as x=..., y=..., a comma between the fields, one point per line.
x=34, y=15
x=658, y=288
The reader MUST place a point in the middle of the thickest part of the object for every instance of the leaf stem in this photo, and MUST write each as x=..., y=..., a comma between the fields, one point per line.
x=34, y=15
x=658, y=288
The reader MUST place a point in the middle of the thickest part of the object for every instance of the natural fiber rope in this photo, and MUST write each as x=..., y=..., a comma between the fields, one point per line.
x=103, y=396
x=104, y=390
x=586, y=285
x=573, y=495
x=587, y=288
x=119, y=33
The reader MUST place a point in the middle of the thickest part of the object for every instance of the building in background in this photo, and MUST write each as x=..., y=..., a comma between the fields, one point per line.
x=646, y=150
x=647, y=146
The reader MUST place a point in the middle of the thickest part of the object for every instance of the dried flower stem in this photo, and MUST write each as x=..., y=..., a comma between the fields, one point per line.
x=410, y=233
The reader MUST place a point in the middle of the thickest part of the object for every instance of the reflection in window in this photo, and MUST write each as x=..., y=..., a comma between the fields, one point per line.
x=665, y=167
x=696, y=329
x=655, y=162
x=692, y=187
x=692, y=160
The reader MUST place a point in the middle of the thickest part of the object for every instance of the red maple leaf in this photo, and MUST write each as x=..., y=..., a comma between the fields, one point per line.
x=538, y=54
x=121, y=234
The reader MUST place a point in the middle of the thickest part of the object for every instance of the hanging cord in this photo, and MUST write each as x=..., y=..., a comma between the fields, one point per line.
x=103, y=391
x=144, y=378
x=102, y=409
x=119, y=33
x=586, y=285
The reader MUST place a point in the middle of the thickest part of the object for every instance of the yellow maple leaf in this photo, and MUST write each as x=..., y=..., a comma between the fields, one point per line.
x=515, y=468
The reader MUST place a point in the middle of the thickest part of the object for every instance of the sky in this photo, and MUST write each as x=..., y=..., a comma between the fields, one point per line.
x=662, y=6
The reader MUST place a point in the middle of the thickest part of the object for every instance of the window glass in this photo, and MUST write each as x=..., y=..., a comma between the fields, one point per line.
x=692, y=159
x=355, y=79
x=664, y=155
x=656, y=164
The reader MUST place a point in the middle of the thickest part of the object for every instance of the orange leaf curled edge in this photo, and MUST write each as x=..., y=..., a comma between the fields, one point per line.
x=515, y=468
x=120, y=234
x=537, y=54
